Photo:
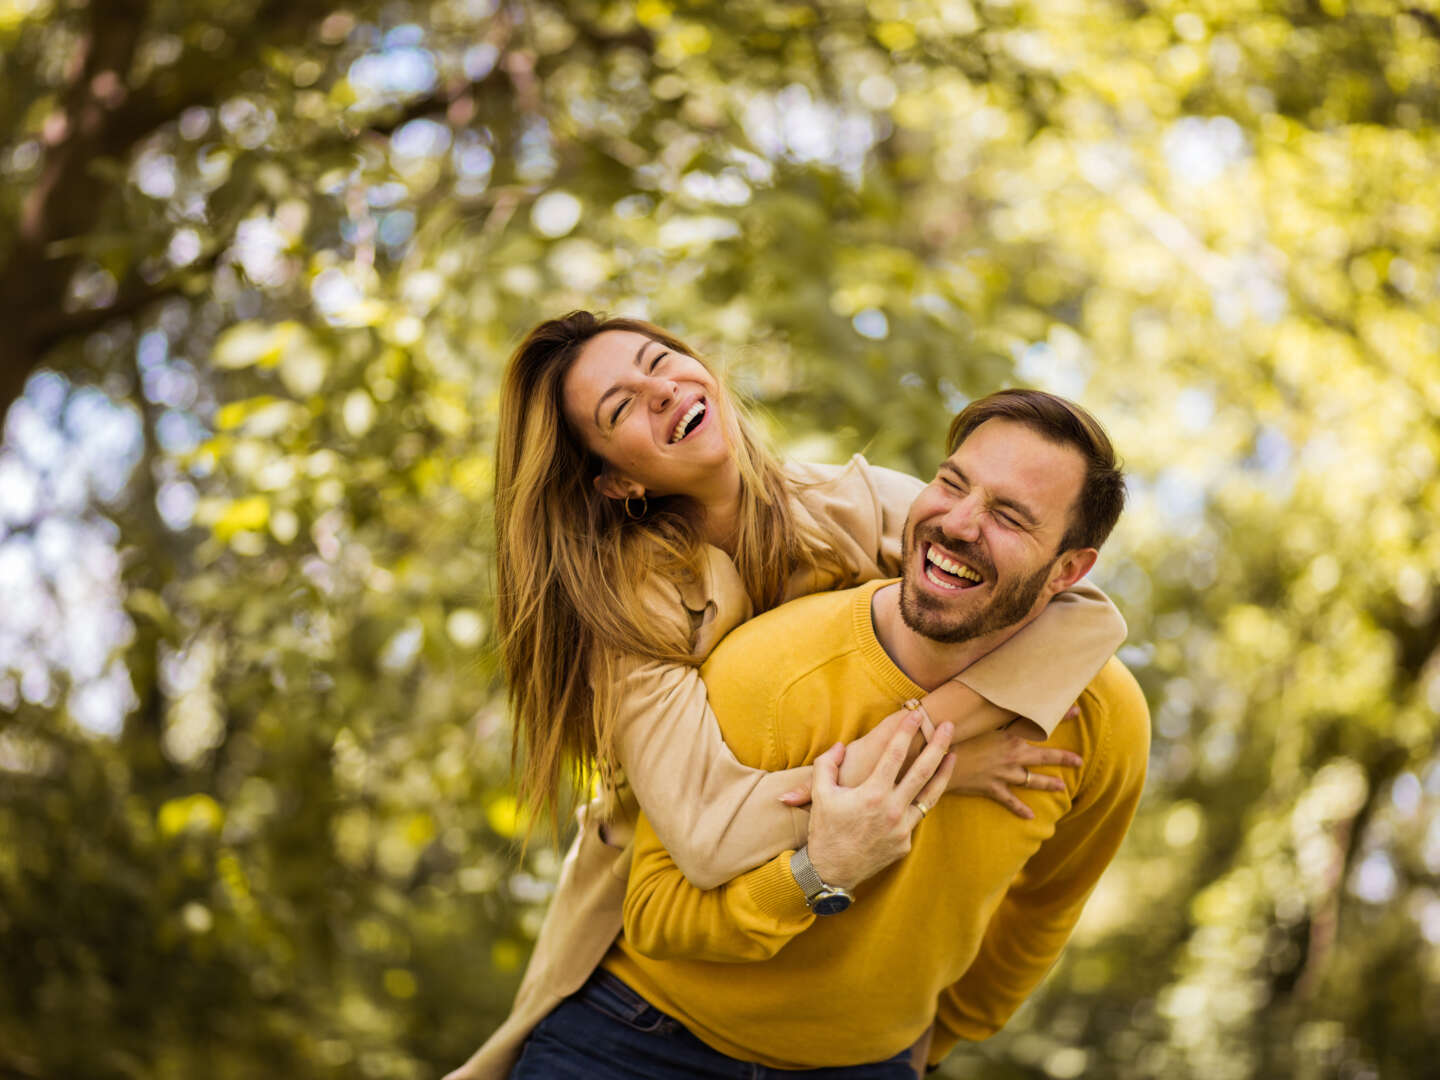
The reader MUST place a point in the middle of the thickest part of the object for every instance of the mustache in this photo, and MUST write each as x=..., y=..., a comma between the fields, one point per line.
x=964, y=549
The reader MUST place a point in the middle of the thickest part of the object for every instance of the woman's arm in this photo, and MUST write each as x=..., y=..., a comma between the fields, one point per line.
x=1032, y=680
x=1041, y=671
x=991, y=755
x=716, y=817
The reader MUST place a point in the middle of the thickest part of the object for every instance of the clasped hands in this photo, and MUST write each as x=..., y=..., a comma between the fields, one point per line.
x=869, y=796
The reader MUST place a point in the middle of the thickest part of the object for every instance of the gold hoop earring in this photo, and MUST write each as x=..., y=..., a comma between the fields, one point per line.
x=644, y=507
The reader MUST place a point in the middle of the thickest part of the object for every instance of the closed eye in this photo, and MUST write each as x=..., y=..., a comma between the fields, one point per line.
x=615, y=416
x=655, y=363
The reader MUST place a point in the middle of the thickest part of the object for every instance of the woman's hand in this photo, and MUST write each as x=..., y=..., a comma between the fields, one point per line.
x=967, y=712
x=996, y=763
x=862, y=755
x=855, y=832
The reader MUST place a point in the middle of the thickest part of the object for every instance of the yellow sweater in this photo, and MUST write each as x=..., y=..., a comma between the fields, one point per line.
x=961, y=930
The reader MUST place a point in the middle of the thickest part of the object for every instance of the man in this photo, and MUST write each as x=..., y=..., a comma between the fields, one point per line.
x=848, y=970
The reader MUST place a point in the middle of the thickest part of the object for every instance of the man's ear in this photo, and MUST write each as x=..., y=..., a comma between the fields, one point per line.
x=1071, y=567
x=614, y=486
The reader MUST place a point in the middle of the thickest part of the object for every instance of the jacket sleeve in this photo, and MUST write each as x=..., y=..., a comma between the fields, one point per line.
x=751, y=917
x=716, y=816
x=1038, y=912
x=1041, y=671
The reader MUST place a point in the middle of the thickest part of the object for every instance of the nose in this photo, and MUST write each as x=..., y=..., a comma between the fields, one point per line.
x=661, y=393
x=962, y=521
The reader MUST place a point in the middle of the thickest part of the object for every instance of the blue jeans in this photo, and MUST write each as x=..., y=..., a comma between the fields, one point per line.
x=606, y=1031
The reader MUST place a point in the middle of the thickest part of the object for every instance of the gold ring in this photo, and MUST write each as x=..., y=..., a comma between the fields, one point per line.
x=916, y=706
x=911, y=704
x=922, y=807
x=1027, y=778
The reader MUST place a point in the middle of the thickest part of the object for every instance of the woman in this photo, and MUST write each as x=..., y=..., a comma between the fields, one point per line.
x=639, y=519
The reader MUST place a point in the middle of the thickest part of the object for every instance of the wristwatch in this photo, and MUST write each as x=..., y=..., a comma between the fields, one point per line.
x=823, y=899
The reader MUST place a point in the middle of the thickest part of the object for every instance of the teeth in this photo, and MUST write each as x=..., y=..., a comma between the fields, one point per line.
x=679, y=431
x=950, y=566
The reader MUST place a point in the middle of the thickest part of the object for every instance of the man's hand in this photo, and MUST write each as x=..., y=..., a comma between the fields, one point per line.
x=855, y=832
x=864, y=754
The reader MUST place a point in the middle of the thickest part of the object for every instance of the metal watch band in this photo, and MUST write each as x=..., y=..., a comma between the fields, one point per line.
x=820, y=897
x=805, y=875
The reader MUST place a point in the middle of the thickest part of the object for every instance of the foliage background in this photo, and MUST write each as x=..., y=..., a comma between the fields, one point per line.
x=261, y=264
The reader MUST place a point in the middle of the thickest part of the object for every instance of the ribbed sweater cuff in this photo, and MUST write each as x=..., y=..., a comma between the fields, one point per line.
x=774, y=891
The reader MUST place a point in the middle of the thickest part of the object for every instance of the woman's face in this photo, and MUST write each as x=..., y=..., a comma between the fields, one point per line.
x=653, y=414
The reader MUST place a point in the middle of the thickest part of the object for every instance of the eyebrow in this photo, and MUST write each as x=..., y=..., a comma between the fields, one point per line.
x=617, y=388
x=998, y=500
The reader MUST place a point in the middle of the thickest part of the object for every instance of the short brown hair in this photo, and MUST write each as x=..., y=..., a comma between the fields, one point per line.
x=1102, y=495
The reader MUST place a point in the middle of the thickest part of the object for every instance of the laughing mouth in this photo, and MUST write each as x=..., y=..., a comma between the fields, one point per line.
x=946, y=573
x=689, y=421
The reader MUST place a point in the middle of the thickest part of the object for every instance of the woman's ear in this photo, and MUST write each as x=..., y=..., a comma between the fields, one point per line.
x=614, y=486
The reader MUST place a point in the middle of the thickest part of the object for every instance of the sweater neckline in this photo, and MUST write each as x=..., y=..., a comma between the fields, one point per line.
x=876, y=658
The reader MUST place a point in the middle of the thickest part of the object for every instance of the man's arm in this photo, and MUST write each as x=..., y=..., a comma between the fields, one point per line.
x=718, y=816
x=1041, y=907
x=751, y=917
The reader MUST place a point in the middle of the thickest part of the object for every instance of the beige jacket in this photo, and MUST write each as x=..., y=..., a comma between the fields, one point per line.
x=718, y=818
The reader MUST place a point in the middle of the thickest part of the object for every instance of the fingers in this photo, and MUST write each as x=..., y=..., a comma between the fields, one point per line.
x=1007, y=798
x=827, y=769
x=935, y=787
x=797, y=796
x=1033, y=756
x=927, y=725
x=1047, y=755
x=925, y=767
x=888, y=767
x=1036, y=781
x=891, y=723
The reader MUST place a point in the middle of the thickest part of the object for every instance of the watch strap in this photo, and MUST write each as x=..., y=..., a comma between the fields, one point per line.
x=805, y=875
x=821, y=898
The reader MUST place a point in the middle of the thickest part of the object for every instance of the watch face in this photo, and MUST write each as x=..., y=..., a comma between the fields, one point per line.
x=830, y=903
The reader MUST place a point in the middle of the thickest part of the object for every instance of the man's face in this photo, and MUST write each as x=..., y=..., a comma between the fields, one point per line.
x=982, y=540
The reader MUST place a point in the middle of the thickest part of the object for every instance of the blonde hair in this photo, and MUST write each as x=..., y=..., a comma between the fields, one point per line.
x=573, y=569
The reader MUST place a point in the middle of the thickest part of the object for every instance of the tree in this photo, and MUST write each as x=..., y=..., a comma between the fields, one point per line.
x=290, y=247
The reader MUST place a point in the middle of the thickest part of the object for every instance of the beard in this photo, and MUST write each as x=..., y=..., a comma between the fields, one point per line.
x=931, y=617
